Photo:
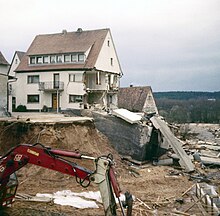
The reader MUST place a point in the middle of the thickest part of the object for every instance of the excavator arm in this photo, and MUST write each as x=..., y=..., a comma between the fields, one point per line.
x=55, y=159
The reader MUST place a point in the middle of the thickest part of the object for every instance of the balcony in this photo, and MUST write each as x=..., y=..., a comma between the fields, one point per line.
x=51, y=86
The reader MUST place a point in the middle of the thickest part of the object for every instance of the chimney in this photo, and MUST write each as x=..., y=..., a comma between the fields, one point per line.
x=64, y=31
x=79, y=30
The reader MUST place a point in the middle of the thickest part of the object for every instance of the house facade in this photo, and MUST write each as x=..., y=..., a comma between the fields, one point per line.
x=4, y=65
x=69, y=70
x=18, y=55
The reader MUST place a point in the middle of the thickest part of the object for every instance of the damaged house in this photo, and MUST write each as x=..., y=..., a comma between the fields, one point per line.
x=137, y=99
x=69, y=70
x=129, y=137
x=137, y=131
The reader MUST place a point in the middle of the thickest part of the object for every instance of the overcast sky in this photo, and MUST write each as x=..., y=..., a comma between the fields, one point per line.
x=166, y=44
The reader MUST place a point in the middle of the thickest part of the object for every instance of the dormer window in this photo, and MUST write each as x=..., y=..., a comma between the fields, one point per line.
x=74, y=58
x=57, y=59
x=53, y=59
x=45, y=59
x=39, y=60
x=66, y=58
x=81, y=57
x=32, y=60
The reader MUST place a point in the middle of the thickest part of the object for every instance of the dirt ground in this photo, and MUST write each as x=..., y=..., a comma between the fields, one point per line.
x=157, y=189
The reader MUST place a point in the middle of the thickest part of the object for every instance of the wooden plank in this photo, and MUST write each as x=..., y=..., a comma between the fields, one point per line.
x=185, y=161
x=203, y=211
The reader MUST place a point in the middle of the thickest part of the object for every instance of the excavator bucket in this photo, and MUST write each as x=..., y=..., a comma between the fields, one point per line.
x=8, y=191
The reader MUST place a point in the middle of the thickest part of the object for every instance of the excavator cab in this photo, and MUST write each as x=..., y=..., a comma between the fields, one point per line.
x=8, y=191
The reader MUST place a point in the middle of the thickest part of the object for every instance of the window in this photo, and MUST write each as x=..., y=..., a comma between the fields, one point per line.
x=33, y=98
x=72, y=77
x=81, y=57
x=45, y=59
x=53, y=59
x=98, y=78
x=74, y=58
x=32, y=60
x=59, y=59
x=75, y=98
x=33, y=79
x=108, y=43
x=67, y=58
x=39, y=60
x=111, y=61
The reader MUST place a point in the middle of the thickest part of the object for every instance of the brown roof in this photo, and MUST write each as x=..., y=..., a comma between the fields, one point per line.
x=20, y=54
x=3, y=61
x=66, y=42
x=133, y=98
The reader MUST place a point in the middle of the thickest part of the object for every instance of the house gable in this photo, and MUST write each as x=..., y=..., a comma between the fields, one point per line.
x=15, y=62
x=137, y=99
x=108, y=59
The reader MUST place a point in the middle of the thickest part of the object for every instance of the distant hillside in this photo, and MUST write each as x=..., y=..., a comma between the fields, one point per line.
x=182, y=107
x=187, y=95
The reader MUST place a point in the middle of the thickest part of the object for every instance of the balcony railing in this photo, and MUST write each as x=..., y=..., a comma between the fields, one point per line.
x=51, y=86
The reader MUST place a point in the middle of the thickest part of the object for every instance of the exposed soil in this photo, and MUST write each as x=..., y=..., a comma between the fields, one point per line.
x=158, y=187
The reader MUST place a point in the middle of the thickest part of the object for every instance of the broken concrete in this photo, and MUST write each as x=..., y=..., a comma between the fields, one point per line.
x=184, y=161
x=126, y=115
x=138, y=141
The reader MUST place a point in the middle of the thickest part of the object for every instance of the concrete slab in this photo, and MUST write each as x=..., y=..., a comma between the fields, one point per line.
x=185, y=161
x=45, y=117
x=126, y=115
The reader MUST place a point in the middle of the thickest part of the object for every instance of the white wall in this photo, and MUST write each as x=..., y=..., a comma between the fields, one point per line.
x=75, y=88
x=107, y=52
x=13, y=83
x=14, y=65
x=3, y=92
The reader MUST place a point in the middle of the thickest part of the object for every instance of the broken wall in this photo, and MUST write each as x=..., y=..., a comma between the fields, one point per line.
x=133, y=140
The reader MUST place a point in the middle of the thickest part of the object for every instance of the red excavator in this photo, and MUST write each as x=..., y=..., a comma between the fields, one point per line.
x=55, y=159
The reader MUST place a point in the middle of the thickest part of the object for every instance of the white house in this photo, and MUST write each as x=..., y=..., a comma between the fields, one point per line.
x=69, y=70
x=12, y=80
x=3, y=83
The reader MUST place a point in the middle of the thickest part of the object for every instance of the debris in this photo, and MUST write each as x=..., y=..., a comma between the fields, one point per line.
x=148, y=207
x=210, y=161
x=128, y=116
x=184, y=161
x=204, y=213
x=26, y=197
x=195, y=203
x=211, y=197
x=181, y=213
x=190, y=188
x=164, y=162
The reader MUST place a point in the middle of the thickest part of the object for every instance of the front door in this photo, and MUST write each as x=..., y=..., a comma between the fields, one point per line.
x=54, y=101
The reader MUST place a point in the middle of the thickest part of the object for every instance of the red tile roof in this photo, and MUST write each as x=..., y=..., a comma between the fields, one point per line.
x=66, y=42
